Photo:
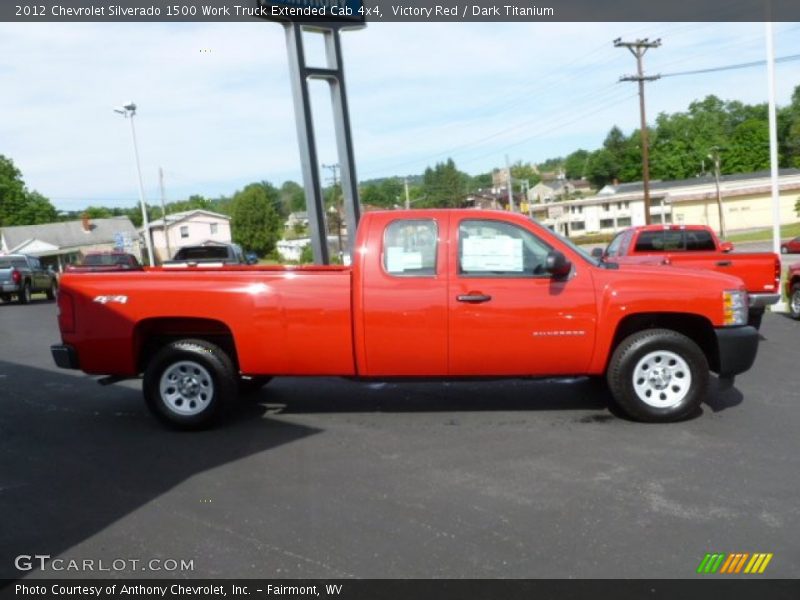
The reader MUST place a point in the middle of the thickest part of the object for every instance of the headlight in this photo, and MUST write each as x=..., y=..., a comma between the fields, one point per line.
x=735, y=306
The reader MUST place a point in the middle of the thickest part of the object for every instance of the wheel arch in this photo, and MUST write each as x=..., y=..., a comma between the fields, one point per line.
x=150, y=335
x=697, y=328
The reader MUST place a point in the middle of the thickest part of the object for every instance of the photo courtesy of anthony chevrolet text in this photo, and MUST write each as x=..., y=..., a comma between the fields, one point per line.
x=391, y=299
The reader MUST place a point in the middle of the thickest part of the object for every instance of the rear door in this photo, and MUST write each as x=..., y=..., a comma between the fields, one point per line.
x=403, y=304
x=508, y=316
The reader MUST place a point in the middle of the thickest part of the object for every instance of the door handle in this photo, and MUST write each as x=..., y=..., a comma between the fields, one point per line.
x=724, y=263
x=473, y=298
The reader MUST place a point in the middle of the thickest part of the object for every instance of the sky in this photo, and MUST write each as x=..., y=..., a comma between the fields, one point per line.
x=216, y=112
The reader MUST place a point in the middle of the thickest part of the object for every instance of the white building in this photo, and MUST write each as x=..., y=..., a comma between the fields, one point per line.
x=746, y=201
x=188, y=228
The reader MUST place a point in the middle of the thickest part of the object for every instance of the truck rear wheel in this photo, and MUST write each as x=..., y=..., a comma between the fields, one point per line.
x=24, y=296
x=189, y=383
x=658, y=376
x=794, y=302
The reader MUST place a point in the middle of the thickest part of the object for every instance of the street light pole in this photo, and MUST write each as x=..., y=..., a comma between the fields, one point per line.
x=128, y=111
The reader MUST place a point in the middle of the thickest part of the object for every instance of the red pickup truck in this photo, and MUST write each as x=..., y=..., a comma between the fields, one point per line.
x=430, y=294
x=697, y=247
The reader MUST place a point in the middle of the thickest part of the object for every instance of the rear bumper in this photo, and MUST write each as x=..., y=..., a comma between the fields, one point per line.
x=738, y=347
x=10, y=288
x=762, y=300
x=65, y=356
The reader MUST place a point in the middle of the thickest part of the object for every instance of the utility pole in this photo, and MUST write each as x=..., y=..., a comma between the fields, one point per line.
x=164, y=210
x=408, y=199
x=715, y=157
x=638, y=49
x=337, y=221
x=509, y=184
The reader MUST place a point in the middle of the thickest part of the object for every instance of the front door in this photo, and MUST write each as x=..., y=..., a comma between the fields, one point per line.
x=508, y=316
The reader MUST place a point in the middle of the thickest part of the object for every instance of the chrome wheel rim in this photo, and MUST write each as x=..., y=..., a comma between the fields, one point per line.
x=662, y=379
x=186, y=388
x=795, y=303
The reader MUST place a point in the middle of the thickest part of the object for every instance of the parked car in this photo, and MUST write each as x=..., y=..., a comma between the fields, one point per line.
x=227, y=254
x=431, y=293
x=22, y=275
x=697, y=247
x=791, y=247
x=95, y=262
x=793, y=290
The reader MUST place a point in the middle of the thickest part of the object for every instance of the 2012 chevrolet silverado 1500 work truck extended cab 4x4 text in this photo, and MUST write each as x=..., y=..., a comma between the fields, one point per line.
x=430, y=294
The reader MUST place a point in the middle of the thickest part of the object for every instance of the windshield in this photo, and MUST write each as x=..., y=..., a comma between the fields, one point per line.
x=96, y=260
x=202, y=252
x=568, y=242
x=5, y=263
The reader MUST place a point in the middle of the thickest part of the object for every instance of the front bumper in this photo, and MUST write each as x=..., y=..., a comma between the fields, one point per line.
x=762, y=300
x=65, y=356
x=738, y=347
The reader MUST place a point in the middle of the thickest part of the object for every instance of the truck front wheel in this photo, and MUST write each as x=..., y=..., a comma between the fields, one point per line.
x=189, y=383
x=658, y=376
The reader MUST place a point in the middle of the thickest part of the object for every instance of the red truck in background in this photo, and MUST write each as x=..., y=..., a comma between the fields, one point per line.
x=430, y=294
x=95, y=262
x=793, y=290
x=697, y=247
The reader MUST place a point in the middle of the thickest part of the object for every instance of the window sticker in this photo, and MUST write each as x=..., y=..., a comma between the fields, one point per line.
x=501, y=253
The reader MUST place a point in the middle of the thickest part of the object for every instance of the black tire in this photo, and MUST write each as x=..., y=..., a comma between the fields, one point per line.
x=190, y=368
x=755, y=317
x=684, y=375
x=248, y=386
x=52, y=290
x=5, y=298
x=24, y=296
x=794, y=302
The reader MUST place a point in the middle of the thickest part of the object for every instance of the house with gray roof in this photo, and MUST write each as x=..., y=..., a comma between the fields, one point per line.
x=59, y=244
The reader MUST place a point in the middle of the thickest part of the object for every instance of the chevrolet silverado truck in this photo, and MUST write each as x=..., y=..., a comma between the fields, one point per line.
x=697, y=247
x=22, y=275
x=431, y=294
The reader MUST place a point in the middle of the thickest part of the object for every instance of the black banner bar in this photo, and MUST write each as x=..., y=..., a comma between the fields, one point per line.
x=375, y=11
x=391, y=589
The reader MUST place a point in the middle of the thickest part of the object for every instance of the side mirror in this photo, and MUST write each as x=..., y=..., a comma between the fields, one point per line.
x=726, y=246
x=557, y=264
x=598, y=253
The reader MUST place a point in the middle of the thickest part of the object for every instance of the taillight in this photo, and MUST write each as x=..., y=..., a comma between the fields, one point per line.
x=66, y=312
x=16, y=276
x=777, y=272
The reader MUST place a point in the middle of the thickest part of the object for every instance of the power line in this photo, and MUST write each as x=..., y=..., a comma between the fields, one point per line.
x=747, y=65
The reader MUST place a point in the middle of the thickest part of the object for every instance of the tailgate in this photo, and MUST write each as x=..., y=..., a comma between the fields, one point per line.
x=759, y=271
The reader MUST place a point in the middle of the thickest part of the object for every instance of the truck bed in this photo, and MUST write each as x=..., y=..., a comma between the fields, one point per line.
x=282, y=319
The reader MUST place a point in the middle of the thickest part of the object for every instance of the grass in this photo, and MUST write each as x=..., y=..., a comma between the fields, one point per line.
x=764, y=235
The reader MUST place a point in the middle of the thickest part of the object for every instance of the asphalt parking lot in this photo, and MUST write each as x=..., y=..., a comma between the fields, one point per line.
x=330, y=478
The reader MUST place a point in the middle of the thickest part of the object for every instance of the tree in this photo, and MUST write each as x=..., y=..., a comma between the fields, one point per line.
x=385, y=193
x=292, y=198
x=602, y=167
x=255, y=218
x=525, y=172
x=18, y=206
x=749, y=148
x=575, y=164
x=444, y=186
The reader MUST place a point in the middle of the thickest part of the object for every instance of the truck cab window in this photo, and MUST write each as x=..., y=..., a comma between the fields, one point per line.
x=409, y=248
x=699, y=241
x=495, y=248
